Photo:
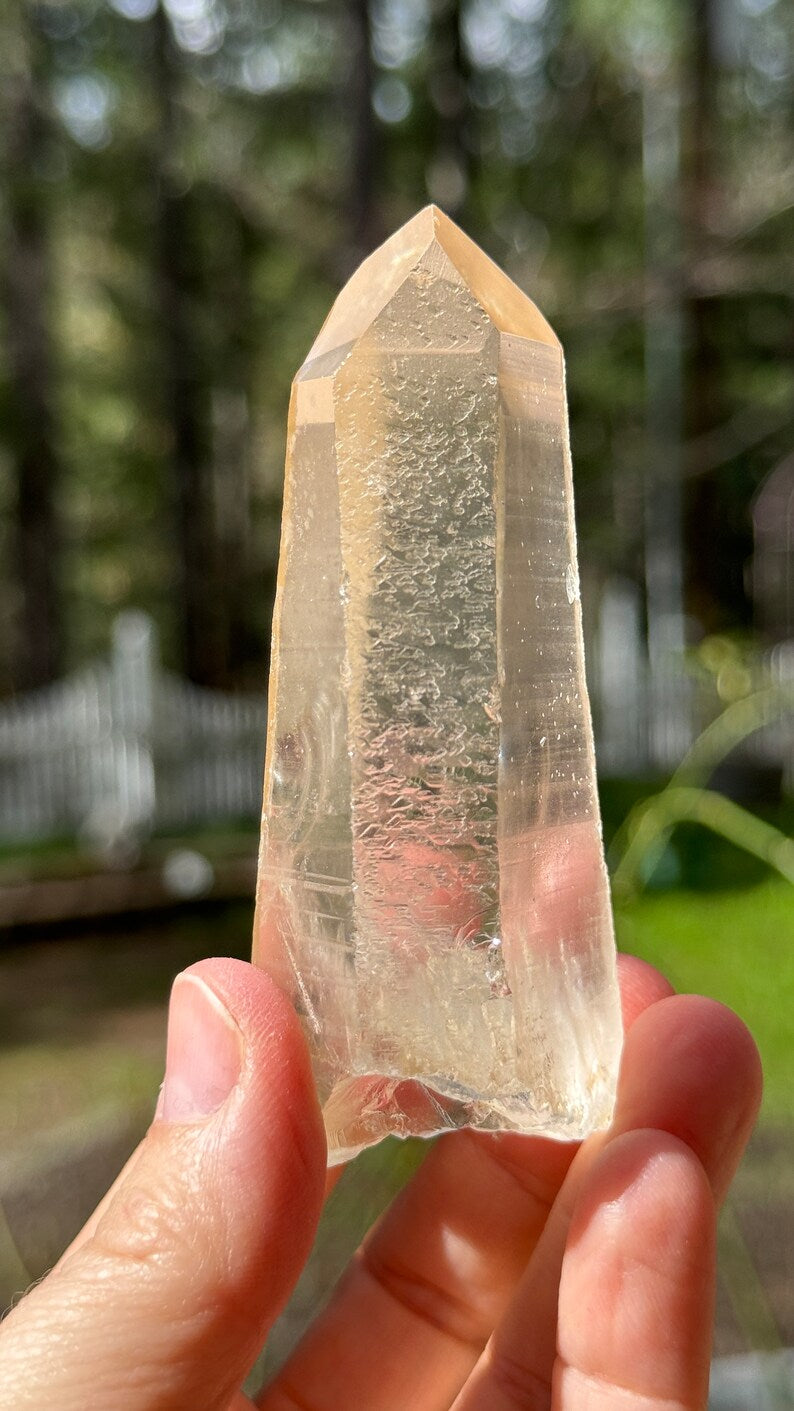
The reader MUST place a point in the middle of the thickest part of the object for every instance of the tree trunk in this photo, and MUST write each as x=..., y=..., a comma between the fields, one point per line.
x=31, y=425
x=669, y=726
x=709, y=555
x=186, y=393
x=363, y=234
x=451, y=165
x=231, y=302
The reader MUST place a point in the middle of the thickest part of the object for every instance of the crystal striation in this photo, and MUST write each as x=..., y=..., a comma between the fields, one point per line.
x=432, y=890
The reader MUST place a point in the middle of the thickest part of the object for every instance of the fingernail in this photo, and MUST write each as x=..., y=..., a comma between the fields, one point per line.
x=204, y=1053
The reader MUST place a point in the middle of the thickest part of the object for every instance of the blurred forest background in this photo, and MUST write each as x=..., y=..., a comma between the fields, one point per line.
x=184, y=185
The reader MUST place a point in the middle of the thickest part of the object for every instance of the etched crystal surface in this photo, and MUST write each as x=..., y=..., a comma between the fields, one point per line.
x=432, y=890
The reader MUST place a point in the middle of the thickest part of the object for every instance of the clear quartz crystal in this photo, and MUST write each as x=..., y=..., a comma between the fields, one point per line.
x=432, y=890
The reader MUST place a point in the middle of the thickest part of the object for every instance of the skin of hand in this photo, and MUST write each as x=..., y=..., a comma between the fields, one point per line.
x=512, y=1272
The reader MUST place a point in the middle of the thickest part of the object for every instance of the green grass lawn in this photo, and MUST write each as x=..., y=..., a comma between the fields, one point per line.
x=737, y=946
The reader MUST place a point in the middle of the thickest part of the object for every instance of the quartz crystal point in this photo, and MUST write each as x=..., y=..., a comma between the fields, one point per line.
x=432, y=890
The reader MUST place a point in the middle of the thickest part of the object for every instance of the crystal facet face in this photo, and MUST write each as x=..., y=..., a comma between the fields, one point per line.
x=432, y=890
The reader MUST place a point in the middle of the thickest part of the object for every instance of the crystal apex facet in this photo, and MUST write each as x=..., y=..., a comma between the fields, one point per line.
x=378, y=278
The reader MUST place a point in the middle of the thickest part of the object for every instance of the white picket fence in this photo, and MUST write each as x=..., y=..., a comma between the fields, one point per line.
x=123, y=747
x=647, y=714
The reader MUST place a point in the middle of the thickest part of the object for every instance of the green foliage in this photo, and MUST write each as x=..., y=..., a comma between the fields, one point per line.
x=651, y=825
x=735, y=945
x=755, y=701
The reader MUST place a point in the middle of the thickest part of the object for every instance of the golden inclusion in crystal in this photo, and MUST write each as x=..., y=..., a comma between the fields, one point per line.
x=432, y=891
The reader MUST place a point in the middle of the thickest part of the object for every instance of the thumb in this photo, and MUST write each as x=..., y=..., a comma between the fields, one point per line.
x=164, y=1300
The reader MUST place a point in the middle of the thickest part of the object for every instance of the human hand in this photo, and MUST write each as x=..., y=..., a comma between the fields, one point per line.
x=511, y=1273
